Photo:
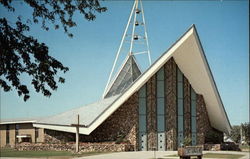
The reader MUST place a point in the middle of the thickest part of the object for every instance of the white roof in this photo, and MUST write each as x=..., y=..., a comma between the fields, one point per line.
x=189, y=56
x=17, y=121
x=87, y=115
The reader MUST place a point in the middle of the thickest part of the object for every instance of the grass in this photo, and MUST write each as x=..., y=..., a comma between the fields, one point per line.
x=216, y=155
x=50, y=154
x=245, y=148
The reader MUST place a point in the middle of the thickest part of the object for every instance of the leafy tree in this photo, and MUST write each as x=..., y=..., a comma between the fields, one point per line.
x=235, y=133
x=246, y=132
x=23, y=54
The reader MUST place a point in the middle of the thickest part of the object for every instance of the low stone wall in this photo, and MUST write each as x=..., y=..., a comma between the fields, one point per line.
x=83, y=147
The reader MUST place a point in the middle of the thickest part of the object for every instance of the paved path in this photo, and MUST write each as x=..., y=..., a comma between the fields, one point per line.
x=140, y=155
x=132, y=155
x=150, y=155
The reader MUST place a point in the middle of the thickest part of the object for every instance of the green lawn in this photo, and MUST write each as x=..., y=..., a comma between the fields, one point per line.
x=51, y=154
x=245, y=147
x=216, y=155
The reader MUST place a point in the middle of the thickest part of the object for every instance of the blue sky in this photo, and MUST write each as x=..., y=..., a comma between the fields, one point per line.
x=223, y=27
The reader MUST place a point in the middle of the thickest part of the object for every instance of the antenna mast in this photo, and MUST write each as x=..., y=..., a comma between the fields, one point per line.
x=135, y=34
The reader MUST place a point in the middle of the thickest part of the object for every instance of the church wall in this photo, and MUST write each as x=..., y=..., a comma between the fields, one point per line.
x=120, y=127
x=151, y=113
x=171, y=111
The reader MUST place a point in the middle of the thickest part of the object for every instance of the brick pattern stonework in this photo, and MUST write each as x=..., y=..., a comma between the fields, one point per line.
x=171, y=112
x=151, y=113
x=187, y=108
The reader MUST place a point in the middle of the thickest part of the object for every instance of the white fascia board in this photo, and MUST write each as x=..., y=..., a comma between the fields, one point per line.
x=17, y=122
x=191, y=60
x=215, y=91
x=62, y=128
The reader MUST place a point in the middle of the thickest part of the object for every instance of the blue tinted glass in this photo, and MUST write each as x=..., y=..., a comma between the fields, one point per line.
x=142, y=105
x=180, y=106
x=142, y=123
x=160, y=88
x=160, y=123
x=142, y=91
x=160, y=74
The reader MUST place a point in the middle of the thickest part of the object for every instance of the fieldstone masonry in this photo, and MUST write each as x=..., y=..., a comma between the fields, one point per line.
x=187, y=108
x=151, y=113
x=122, y=126
x=171, y=112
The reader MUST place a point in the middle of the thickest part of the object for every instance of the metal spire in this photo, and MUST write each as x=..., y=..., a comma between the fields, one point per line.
x=135, y=34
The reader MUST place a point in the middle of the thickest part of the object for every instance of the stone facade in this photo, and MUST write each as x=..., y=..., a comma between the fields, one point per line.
x=121, y=126
x=151, y=113
x=171, y=111
x=120, y=131
x=187, y=108
x=204, y=127
x=83, y=147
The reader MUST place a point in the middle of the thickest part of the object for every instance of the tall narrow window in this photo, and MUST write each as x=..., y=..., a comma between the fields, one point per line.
x=7, y=134
x=142, y=119
x=160, y=102
x=180, y=107
x=193, y=116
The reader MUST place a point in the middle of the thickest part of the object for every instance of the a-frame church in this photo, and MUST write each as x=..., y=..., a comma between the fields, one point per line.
x=174, y=99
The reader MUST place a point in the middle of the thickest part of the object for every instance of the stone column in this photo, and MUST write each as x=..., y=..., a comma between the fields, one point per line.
x=203, y=124
x=171, y=112
x=187, y=109
x=151, y=113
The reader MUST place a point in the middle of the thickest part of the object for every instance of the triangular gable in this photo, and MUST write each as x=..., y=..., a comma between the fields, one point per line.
x=128, y=73
x=190, y=58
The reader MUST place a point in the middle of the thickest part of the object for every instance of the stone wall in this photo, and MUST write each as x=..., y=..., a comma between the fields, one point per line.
x=121, y=126
x=203, y=124
x=171, y=112
x=187, y=108
x=205, y=132
x=151, y=113
x=83, y=147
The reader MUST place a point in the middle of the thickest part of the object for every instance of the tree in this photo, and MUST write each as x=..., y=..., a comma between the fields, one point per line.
x=23, y=54
x=246, y=132
x=235, y=133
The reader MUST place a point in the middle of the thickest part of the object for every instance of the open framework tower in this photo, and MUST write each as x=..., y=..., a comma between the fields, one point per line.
x=134, y=42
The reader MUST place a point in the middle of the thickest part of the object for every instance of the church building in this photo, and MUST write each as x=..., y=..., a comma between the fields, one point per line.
x=174, y=101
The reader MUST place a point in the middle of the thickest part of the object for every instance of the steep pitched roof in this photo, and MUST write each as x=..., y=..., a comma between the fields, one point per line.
x=190, y=57
x=128, y=73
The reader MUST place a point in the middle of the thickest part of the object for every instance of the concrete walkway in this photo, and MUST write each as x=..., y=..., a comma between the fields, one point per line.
x=139, y=155
x=132, y=155
x=152, y=155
